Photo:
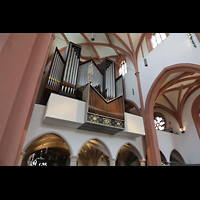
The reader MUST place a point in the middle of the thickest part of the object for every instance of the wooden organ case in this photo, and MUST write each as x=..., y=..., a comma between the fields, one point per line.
x=95, y=84
x=104, y=102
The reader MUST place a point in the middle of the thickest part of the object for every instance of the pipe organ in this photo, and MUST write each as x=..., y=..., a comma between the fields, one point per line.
x=70, y=71
x=104, y=110
x=108, y=69
x=95, y=84
x=62, y=73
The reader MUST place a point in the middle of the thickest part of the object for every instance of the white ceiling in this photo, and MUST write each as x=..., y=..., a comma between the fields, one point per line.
x=104, y=49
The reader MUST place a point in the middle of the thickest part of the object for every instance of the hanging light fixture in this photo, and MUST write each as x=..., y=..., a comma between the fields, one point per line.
x=190, y=37
x=92, y=37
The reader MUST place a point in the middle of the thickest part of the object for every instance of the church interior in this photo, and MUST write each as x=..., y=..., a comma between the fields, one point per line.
x=100, y=99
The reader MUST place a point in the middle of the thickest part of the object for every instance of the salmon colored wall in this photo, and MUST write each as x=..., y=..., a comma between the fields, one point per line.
x=22, y=59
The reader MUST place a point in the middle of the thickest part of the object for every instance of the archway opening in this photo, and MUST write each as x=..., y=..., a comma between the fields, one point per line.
x=131, y=107
x=196, y=113
x=94, y=153
x=176, y=158
x=168, y=93
x=128, y=156
x=163, y=159
x=47, y=150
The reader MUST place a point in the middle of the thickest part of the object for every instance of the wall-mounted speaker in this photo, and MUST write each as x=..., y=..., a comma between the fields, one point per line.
x=145, y=62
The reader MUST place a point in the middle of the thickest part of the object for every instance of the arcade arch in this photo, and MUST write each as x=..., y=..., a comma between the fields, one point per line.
x=183, y=78
x=94, y=153
x=176, y=158
x=128, y=155
x=48, y=150
x=196, y=113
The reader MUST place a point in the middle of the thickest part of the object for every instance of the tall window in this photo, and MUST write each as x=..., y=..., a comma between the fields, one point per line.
x=154, y=39
x=157, y=38
x=122, y=68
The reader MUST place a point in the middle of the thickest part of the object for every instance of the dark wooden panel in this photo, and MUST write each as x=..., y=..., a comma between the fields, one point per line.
x=98, y=105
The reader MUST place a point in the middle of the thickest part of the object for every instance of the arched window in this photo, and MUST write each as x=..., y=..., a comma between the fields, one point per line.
x=122, y=68
x=159, y=121
x=154, y=39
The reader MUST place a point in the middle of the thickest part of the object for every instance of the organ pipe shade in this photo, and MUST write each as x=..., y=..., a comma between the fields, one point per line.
x=69, y=77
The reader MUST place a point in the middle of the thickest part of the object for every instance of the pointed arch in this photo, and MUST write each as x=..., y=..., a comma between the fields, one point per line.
x=153, y=153
x=100, y=146
x=196, y=114
x=130, y=104
x=133, y=149
x=163, y=158
x=176, y=157
x=33, y=140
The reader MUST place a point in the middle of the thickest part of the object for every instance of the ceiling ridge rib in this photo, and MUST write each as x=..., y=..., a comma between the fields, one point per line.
x=91, y=45
x=131, y=42
x=110, y=42
x=64, y=36
x=123, y=43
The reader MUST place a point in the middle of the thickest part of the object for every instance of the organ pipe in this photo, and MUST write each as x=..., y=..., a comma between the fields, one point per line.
x=65, y=75
x=69, y=76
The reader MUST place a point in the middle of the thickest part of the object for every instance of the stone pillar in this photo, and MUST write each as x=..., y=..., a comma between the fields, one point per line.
x=112, y=161
x=21, y=158
x=143, y=162
x=23, y=58
x=73, y=160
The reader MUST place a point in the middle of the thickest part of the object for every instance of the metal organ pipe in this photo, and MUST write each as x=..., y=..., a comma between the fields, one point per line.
x=66, y=68
x=71, y=72
x=53, y=70
x=113, y=80
x=71, y=69
x=57, y=71
x=111, y=85
x=76, y=71
x=108, y=83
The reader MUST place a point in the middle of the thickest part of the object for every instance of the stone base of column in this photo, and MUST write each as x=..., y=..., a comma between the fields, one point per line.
x=73, y=160
x=112, y=161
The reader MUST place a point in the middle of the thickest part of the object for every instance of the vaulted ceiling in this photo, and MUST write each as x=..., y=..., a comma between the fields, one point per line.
x=175, y=91
x=109, y=45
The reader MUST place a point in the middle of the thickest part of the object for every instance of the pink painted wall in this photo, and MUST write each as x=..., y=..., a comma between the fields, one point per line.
x=22, y=58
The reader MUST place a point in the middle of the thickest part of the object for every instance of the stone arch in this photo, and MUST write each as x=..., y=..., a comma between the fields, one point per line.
x=127, y=155
x=175, y=156
x=134, y=150
x=92, y=151
x=152, y=147
x=196, y=114
x=106, y=149
x=46, y=133
x=131, y=104
x=163, y=158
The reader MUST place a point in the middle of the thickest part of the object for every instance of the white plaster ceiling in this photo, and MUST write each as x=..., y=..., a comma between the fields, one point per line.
x=101, y=47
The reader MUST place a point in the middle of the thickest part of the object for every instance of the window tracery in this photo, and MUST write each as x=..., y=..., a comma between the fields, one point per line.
x=122, y=68
x=157, y=38
x=154, y=39
x=159, y=121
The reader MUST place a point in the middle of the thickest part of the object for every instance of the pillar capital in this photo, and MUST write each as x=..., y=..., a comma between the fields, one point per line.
x=73, y=160
x=112, y=161
x=143, y=162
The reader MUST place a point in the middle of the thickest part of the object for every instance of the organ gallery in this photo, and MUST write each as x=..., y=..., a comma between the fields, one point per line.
x=95, y=84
